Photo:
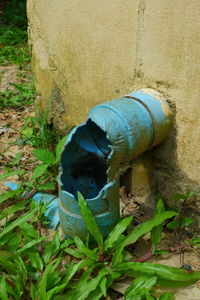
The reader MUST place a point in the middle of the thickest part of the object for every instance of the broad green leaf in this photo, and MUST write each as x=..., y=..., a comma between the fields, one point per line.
x=31, y=244
x=147, y=226
x=187, y=221
x=3, y=290
x=39, y=170
x=36, y=260
x=173, y=224
x=27, y=216
x=28, y=230
x=9, y=174
x=45, y=156
x=103, y=286
x=17, y=158
x=117, y=256
x=84, y=291
x=46, y=186
x=116, y=232
x=27, y=132
x=194, y=241
x=7, y=195
x=90, y=221
x=56, y=241
x=33, y=291
x=157, y=231
x=83, y=249
x=74, y=253
x=42, y=286
x=11, y=291
x=96, y=294
x=12, y=209
x=60, y=147
x=84, y=277
x=72, y=270
x=166, y=296
x=139, y=287
x=161, y=271
x=14, y=241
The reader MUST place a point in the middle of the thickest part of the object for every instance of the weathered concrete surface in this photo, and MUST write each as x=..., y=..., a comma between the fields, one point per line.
x=87, y=52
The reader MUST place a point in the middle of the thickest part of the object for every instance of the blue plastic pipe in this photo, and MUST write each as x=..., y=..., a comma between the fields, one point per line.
x=97, y=151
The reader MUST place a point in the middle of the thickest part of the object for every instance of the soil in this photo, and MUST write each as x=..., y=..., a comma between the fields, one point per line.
x=11, y=121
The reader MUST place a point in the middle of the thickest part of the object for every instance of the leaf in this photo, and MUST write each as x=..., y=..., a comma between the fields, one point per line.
x=28, y=230
x=166, y=296
x=42, y=286
x=56, y=241
x=74, y=253
x=45, y=156
x=72, y=270
x=116, y=232
x=139, y=287
x=18, y=221
x=84, y=291
x=90, y=221
x=194, y=241
x=13, y=242
x=162, y=272
x=187, y=221
x=83, y=249
x=103, y=286
x=39, y=170
x=60, y=147
x=46, y=186
x=31, y=244
x=157, y=231
x=3, y=290
x=173, y=224
x=12, y=209
x=9, y=174
x=147, y=226
x=36, y=260
x=7, y=195
x=17, y=158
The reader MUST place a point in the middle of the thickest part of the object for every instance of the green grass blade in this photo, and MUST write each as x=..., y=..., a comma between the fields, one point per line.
x=27, y=216
x=90, y=221
x=147, y=226
x=31, y=244
x=116, y=232
x=12, y=210
x=7, y=195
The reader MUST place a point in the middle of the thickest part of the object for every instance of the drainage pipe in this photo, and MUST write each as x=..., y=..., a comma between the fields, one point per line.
x=97, y=151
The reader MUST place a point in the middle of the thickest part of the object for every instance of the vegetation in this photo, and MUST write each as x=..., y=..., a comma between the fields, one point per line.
x=39, y=266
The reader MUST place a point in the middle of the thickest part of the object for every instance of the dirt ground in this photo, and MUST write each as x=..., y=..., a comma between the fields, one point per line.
x=11, y=120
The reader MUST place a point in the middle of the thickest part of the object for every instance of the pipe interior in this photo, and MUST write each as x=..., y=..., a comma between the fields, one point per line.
x=84, y=161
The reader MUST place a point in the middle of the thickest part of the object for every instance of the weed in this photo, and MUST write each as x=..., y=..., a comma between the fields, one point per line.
x=32, y=266
x=21, y=94
x=37, y=132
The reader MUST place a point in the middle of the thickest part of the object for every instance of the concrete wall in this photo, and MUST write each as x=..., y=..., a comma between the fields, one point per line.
x=87, y=52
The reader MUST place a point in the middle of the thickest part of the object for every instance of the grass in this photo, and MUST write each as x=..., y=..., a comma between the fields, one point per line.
x=14, y=50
